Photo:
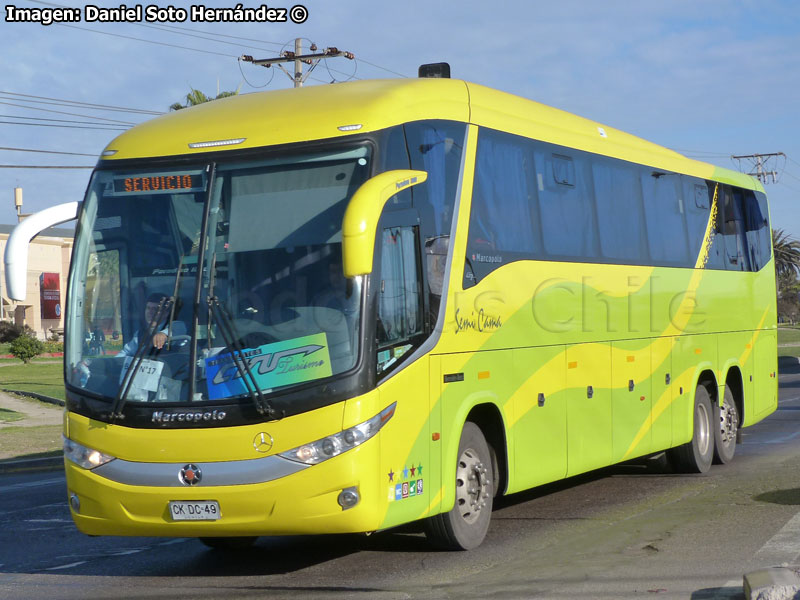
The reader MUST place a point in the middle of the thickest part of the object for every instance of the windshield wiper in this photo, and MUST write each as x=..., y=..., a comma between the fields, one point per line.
x=231, y=337
x=138, y=356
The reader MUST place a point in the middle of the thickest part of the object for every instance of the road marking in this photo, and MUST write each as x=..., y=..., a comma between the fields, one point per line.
x=30, y=484
x=783, y=547
x=126, y=552
x=48, y=520
x=783, y=439
x=62, y=504
x=69, y=566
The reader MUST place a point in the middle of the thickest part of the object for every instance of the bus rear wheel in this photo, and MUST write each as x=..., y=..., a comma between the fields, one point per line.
x=727, y=426
x=466, y=524
x=696, y=456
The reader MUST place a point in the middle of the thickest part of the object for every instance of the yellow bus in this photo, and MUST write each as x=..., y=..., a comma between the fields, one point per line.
x=348, y=307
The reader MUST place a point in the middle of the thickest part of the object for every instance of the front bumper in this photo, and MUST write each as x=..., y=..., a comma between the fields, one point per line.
x=302, y=502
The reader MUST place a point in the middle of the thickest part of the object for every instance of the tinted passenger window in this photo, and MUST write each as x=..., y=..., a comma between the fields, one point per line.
x=757, y=230
x=618, y=195
x=664, y=210
x=733, y=231
x=565, y=205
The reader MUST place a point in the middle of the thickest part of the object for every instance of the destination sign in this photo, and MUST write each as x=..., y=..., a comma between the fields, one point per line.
x=169, y=183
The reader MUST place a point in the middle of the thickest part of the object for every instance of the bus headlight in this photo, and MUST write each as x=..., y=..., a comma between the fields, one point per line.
x=333, y=445
x=82, y=456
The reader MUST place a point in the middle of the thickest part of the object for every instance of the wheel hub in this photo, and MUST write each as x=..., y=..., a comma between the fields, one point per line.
x=473, y=486
x=727, y=423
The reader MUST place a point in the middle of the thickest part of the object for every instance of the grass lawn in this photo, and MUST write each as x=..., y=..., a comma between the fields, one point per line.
x=7, y=416
x=29, y=442
x=788, y=336
x=43, y=378
x=789, y=351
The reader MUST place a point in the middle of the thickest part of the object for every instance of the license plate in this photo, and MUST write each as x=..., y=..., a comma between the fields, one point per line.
x=199, y=510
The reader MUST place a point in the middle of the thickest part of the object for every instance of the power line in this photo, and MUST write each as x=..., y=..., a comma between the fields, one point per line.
x=299, y=59
x=51, y=119
x=177, y=30
x=61, y=112
x=231, y=37
x=76, y=103
x=44, y=167
x=790, y=159
x=380, y=67
x=785, y=172
x=47, y=151
x=98, y=127
x=129, y=37
x=759, y=163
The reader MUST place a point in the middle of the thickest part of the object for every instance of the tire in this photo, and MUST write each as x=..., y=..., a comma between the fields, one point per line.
x=696, y=456
x=228, y=543
x=726, y=418
x=465, y=526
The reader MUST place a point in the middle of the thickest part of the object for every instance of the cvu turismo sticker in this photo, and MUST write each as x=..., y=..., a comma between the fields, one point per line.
x=272, y=365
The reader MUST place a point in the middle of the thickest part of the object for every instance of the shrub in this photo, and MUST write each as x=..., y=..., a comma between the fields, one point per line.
x=9, y=332
x=26, y=348
x=52, y=347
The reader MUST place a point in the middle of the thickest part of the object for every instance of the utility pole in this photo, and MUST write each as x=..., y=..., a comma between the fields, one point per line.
x=760, y=165
x=298, y=58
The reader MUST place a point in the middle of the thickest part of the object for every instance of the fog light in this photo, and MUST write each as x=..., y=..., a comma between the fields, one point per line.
x=75, y=502
x=348, y=498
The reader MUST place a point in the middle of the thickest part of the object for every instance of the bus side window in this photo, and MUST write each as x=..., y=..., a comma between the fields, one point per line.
x=503, y=223
x=400, y=299
x=665, y=214
x=564, y=186
x=759, y=238
x=716, y=252
x=737, y=257
x=618, y=197
x=394, y=155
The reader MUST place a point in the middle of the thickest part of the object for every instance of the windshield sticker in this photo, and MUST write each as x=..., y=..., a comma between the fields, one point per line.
x=145, y=379
x=272, y=365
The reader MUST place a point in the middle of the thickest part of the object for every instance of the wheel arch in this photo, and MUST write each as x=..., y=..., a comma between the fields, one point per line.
x=735, y=381
x=707, y=378
x=483, y=410
x=490, y=421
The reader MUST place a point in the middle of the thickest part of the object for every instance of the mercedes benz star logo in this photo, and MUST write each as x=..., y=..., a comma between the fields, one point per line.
x=262, y=442
x=191, y=474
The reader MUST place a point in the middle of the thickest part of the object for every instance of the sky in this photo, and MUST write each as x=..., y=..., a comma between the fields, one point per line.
x=710, y=79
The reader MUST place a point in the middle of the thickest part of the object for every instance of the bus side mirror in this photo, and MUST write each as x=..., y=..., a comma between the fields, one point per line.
x=362, y=215
x=16, y=256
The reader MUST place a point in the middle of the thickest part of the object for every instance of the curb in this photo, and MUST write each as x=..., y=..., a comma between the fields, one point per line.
x=30, y=465
x=42, y=397
x=776, y=583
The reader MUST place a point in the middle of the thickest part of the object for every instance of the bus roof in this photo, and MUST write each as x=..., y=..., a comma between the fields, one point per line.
x=340, y=110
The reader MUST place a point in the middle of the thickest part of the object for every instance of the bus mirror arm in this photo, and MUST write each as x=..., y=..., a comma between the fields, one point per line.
x=363, y=213
x=16, y=255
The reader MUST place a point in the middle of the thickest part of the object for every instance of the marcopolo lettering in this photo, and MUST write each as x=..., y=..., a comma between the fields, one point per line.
x=159, y=416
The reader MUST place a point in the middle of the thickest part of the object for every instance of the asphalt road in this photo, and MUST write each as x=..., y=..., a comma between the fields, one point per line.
x=628, y=531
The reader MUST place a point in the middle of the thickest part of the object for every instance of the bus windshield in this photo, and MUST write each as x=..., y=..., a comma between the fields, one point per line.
x=266, y=283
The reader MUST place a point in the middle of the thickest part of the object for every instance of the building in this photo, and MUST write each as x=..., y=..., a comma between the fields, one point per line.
x=48, y=264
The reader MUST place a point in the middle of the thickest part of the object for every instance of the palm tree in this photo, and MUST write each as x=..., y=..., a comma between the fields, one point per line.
x=787, y=254
x=196, y=97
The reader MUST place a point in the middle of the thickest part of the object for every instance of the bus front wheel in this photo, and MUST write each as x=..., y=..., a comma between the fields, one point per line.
x=696, y=456
x=466, y=524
